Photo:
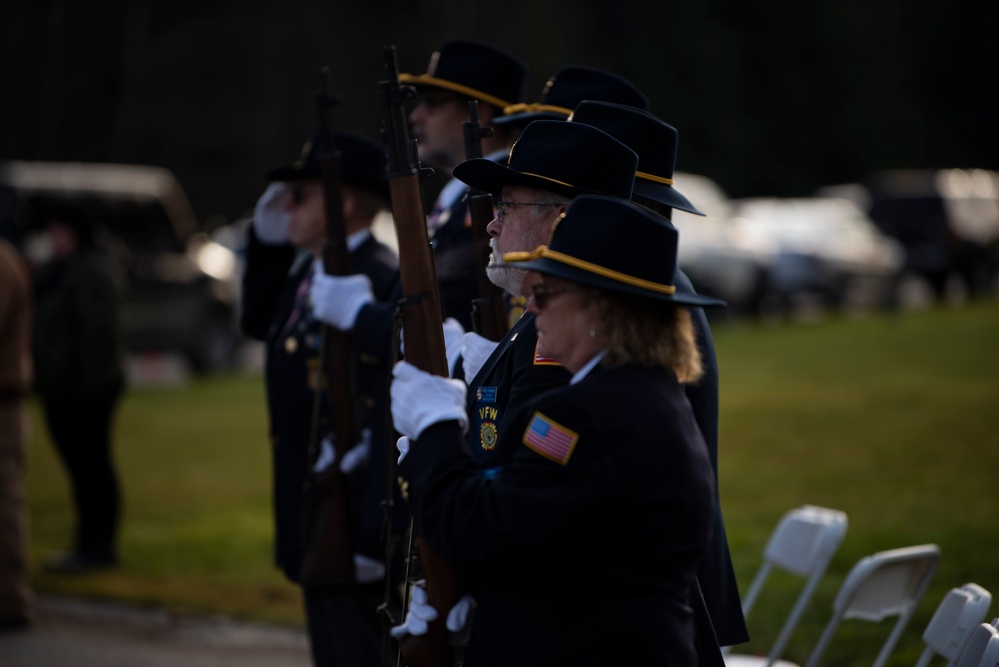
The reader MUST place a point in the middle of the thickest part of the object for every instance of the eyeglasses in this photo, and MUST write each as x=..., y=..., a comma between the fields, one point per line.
x=501, y=206
x=542, y=294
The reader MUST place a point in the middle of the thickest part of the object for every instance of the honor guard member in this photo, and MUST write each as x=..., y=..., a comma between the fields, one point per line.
x=552, y=162
x=568, y=87
x=286, y=239
x=583, y=549
x=656, y=142
x=461, y=71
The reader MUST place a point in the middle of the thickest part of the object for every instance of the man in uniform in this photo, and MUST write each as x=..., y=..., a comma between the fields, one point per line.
x=551, y=163
x=461, y=71
x=286, y=239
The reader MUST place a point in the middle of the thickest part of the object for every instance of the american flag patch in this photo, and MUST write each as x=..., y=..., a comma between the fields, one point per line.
x=540, y=359
x=550, y=439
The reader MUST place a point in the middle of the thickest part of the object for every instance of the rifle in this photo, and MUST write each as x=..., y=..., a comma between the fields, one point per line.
x=423, y=333
x=489, y=316
x=329, y=557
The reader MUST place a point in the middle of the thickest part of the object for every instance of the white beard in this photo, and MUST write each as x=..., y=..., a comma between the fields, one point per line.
x=509, y=279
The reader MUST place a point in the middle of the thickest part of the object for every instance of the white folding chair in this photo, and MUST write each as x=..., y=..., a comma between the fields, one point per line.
x=803, y=543
x=884, y=584
x=957, y=616
x=983, y=647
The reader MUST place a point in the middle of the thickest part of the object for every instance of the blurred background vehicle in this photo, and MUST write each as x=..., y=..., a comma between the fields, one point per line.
x=718, y=258
x=181, y=285
x=946, y=219
x=824, y=248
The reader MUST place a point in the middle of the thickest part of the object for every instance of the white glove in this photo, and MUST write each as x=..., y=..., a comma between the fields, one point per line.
x=359, y=455
x=420, y=614
x=270, y=218
x=460, y=616
x=418, y=617
x=475, y=350
x=367, y=570
x=327, y=454
x=336, y=300
x=452, y=342
x=356, y=457
x=420, y=400
x=402, y=446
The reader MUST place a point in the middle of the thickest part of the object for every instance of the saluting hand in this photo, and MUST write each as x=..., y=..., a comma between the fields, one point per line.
x=270, y=217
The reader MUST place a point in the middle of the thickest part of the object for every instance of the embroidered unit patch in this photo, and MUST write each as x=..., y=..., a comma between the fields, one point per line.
x=488, y=436
x=550, y=439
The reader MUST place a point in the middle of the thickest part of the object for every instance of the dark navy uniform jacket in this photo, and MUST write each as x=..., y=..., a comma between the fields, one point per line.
x=716, y=575
x=513, y=376
x=454, y=259
x=270, y=284
x=583, y=549
x=454, y=262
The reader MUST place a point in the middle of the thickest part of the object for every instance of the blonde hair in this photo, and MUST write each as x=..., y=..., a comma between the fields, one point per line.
x=645, y=332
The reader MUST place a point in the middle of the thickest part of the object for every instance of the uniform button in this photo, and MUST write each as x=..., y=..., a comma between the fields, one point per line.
x=290, y=344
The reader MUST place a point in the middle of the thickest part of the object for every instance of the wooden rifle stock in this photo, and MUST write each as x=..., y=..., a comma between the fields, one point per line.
x=489, y=315
x=329, y=557
x=423, y=335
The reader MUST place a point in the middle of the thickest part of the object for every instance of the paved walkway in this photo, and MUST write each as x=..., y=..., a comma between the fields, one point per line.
x=75, y=633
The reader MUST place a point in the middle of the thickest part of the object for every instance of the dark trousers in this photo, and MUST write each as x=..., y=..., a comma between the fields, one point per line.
x=344, y=627
x=80, y=427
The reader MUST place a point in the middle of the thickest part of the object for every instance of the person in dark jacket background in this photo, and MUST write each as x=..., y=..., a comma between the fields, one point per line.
x=79, y=359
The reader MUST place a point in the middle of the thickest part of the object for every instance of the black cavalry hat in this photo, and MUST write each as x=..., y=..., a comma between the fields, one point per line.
x=567, y=88
x=653, y=140
x=615, y=245
x=477, y=70
x=565, y=158
x=362, y=163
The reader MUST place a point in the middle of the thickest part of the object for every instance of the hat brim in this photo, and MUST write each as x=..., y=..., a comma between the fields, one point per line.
x=492, y=177
x=664, y=194
x=424, y=81
x=522, y=119
x=574, y=274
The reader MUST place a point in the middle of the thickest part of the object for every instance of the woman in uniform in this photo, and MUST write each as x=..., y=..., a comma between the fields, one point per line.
x=584, y=548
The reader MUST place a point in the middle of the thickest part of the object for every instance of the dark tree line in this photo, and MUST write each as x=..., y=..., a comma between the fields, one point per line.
x=770, y=98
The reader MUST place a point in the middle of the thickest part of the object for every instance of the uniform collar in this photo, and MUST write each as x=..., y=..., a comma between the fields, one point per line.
x=590, y=365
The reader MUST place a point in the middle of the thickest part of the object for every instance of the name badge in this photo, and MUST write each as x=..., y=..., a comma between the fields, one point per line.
x=486, y=394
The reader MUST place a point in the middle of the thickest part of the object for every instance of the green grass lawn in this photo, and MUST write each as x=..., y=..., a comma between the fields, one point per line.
x=890, y=419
